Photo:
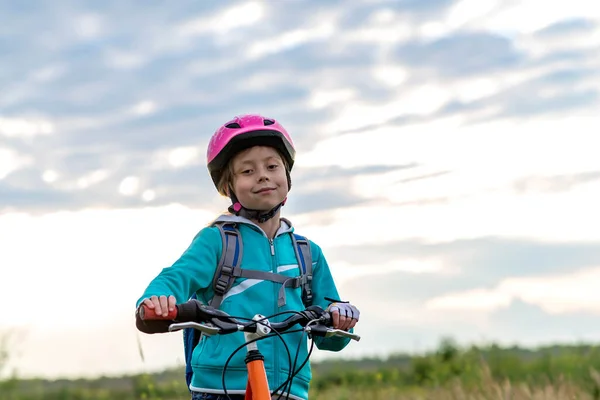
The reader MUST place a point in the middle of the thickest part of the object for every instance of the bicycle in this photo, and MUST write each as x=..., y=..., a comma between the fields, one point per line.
x=210, y=321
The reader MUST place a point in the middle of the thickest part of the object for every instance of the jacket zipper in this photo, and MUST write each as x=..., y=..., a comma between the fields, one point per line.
x=275, y=310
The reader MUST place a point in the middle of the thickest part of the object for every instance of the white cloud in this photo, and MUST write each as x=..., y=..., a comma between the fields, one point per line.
x=92, y=178
x=422, y=100
x=466, y=12
x=532, y=15
x=25, y=127
x=183, y=156
x=555, y=294
x=384, y=28
x=286, y=40
x=88, y=26
x=148, y=195
x=390, y=75
x=488, y=151
x=500, y=213
x=11, y=161
x=145, y=107
x=178, y=157
x=471, y=300
x=344, y=271
x=477, y=196
x=50, y=176
x=225, y=21
x=474, y=88
x=382, y=16
x=584, y=42
x=129, y=186
x=324, y=98
x=84, y=181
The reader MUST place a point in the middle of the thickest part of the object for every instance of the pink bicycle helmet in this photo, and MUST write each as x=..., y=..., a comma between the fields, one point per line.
x=241, y=133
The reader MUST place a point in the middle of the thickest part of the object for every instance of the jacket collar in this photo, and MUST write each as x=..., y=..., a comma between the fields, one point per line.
x=285, y=225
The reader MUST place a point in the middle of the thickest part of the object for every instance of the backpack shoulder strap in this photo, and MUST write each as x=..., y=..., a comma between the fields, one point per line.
x=304, y=256
x=231, y=258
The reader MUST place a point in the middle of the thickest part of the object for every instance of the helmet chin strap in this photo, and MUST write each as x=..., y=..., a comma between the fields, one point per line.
x=261, y=216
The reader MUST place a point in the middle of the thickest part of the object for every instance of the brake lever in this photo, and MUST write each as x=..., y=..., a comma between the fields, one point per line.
x=323, y=331
x=339, y=332
x=206, y=329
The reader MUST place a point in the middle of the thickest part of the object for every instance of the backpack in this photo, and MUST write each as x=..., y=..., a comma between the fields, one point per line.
x=228, y=269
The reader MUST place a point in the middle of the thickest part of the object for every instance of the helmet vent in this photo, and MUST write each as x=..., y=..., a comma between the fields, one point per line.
x=233, y=125
x=268, y=122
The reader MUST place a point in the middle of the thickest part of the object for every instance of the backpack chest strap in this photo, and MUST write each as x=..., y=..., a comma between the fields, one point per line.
x=285, y=281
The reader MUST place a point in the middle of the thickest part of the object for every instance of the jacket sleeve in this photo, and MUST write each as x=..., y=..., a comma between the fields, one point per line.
x=193, y=271
x=324, y=286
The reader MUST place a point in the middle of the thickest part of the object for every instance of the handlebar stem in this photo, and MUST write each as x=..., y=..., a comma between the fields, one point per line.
x=263, y=328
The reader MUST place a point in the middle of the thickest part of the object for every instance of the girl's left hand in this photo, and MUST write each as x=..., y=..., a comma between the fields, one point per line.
x=344, y=315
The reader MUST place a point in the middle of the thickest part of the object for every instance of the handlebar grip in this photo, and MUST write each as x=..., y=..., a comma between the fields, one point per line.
x=149, y=314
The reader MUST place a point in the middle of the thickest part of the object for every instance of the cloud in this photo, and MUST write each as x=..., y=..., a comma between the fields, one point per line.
x=323, y=189
x=178, y=175
x=414, y=327
x=11, y=161
x=322, y=200
x=426, y=176
x=117, y=118
x=554, y=293
x=553, y=184
x=431, y=7
x=516, y=18
x=538, y=102
x=567, y=27
x=326, y=175
x=465, y=264
x=530, y=324
x=461, y=54
x=21, y=127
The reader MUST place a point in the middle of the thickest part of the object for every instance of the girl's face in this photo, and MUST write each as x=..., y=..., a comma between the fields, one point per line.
x=259, y=178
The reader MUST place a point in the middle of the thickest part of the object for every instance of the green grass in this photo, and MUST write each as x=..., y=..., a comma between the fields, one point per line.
x=450, y=372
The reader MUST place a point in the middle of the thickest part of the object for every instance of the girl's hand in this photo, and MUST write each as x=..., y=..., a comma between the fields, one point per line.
x=161, y=305
x=344, y=315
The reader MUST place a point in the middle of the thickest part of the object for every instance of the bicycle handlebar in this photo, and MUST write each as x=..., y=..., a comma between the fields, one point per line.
x=194, y=314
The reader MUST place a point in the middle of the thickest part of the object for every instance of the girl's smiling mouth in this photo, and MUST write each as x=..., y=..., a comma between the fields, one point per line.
x=264, y=190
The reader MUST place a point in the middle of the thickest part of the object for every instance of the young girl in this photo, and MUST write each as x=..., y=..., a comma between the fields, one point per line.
x=249, y=160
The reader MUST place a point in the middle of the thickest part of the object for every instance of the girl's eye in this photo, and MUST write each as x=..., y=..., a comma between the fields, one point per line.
x=246, y=171
x=273, y=166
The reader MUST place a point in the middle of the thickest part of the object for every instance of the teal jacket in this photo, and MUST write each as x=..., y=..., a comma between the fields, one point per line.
x=193, y=273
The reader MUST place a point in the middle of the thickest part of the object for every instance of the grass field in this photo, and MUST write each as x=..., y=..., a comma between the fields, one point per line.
x=553, y=373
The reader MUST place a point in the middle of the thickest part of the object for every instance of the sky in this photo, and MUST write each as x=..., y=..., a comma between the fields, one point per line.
x=447, y=164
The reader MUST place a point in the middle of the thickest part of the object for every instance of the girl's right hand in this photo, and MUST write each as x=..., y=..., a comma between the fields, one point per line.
x=161, y=305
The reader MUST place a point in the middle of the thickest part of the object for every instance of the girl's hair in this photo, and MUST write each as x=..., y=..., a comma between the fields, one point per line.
x=226, y=181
